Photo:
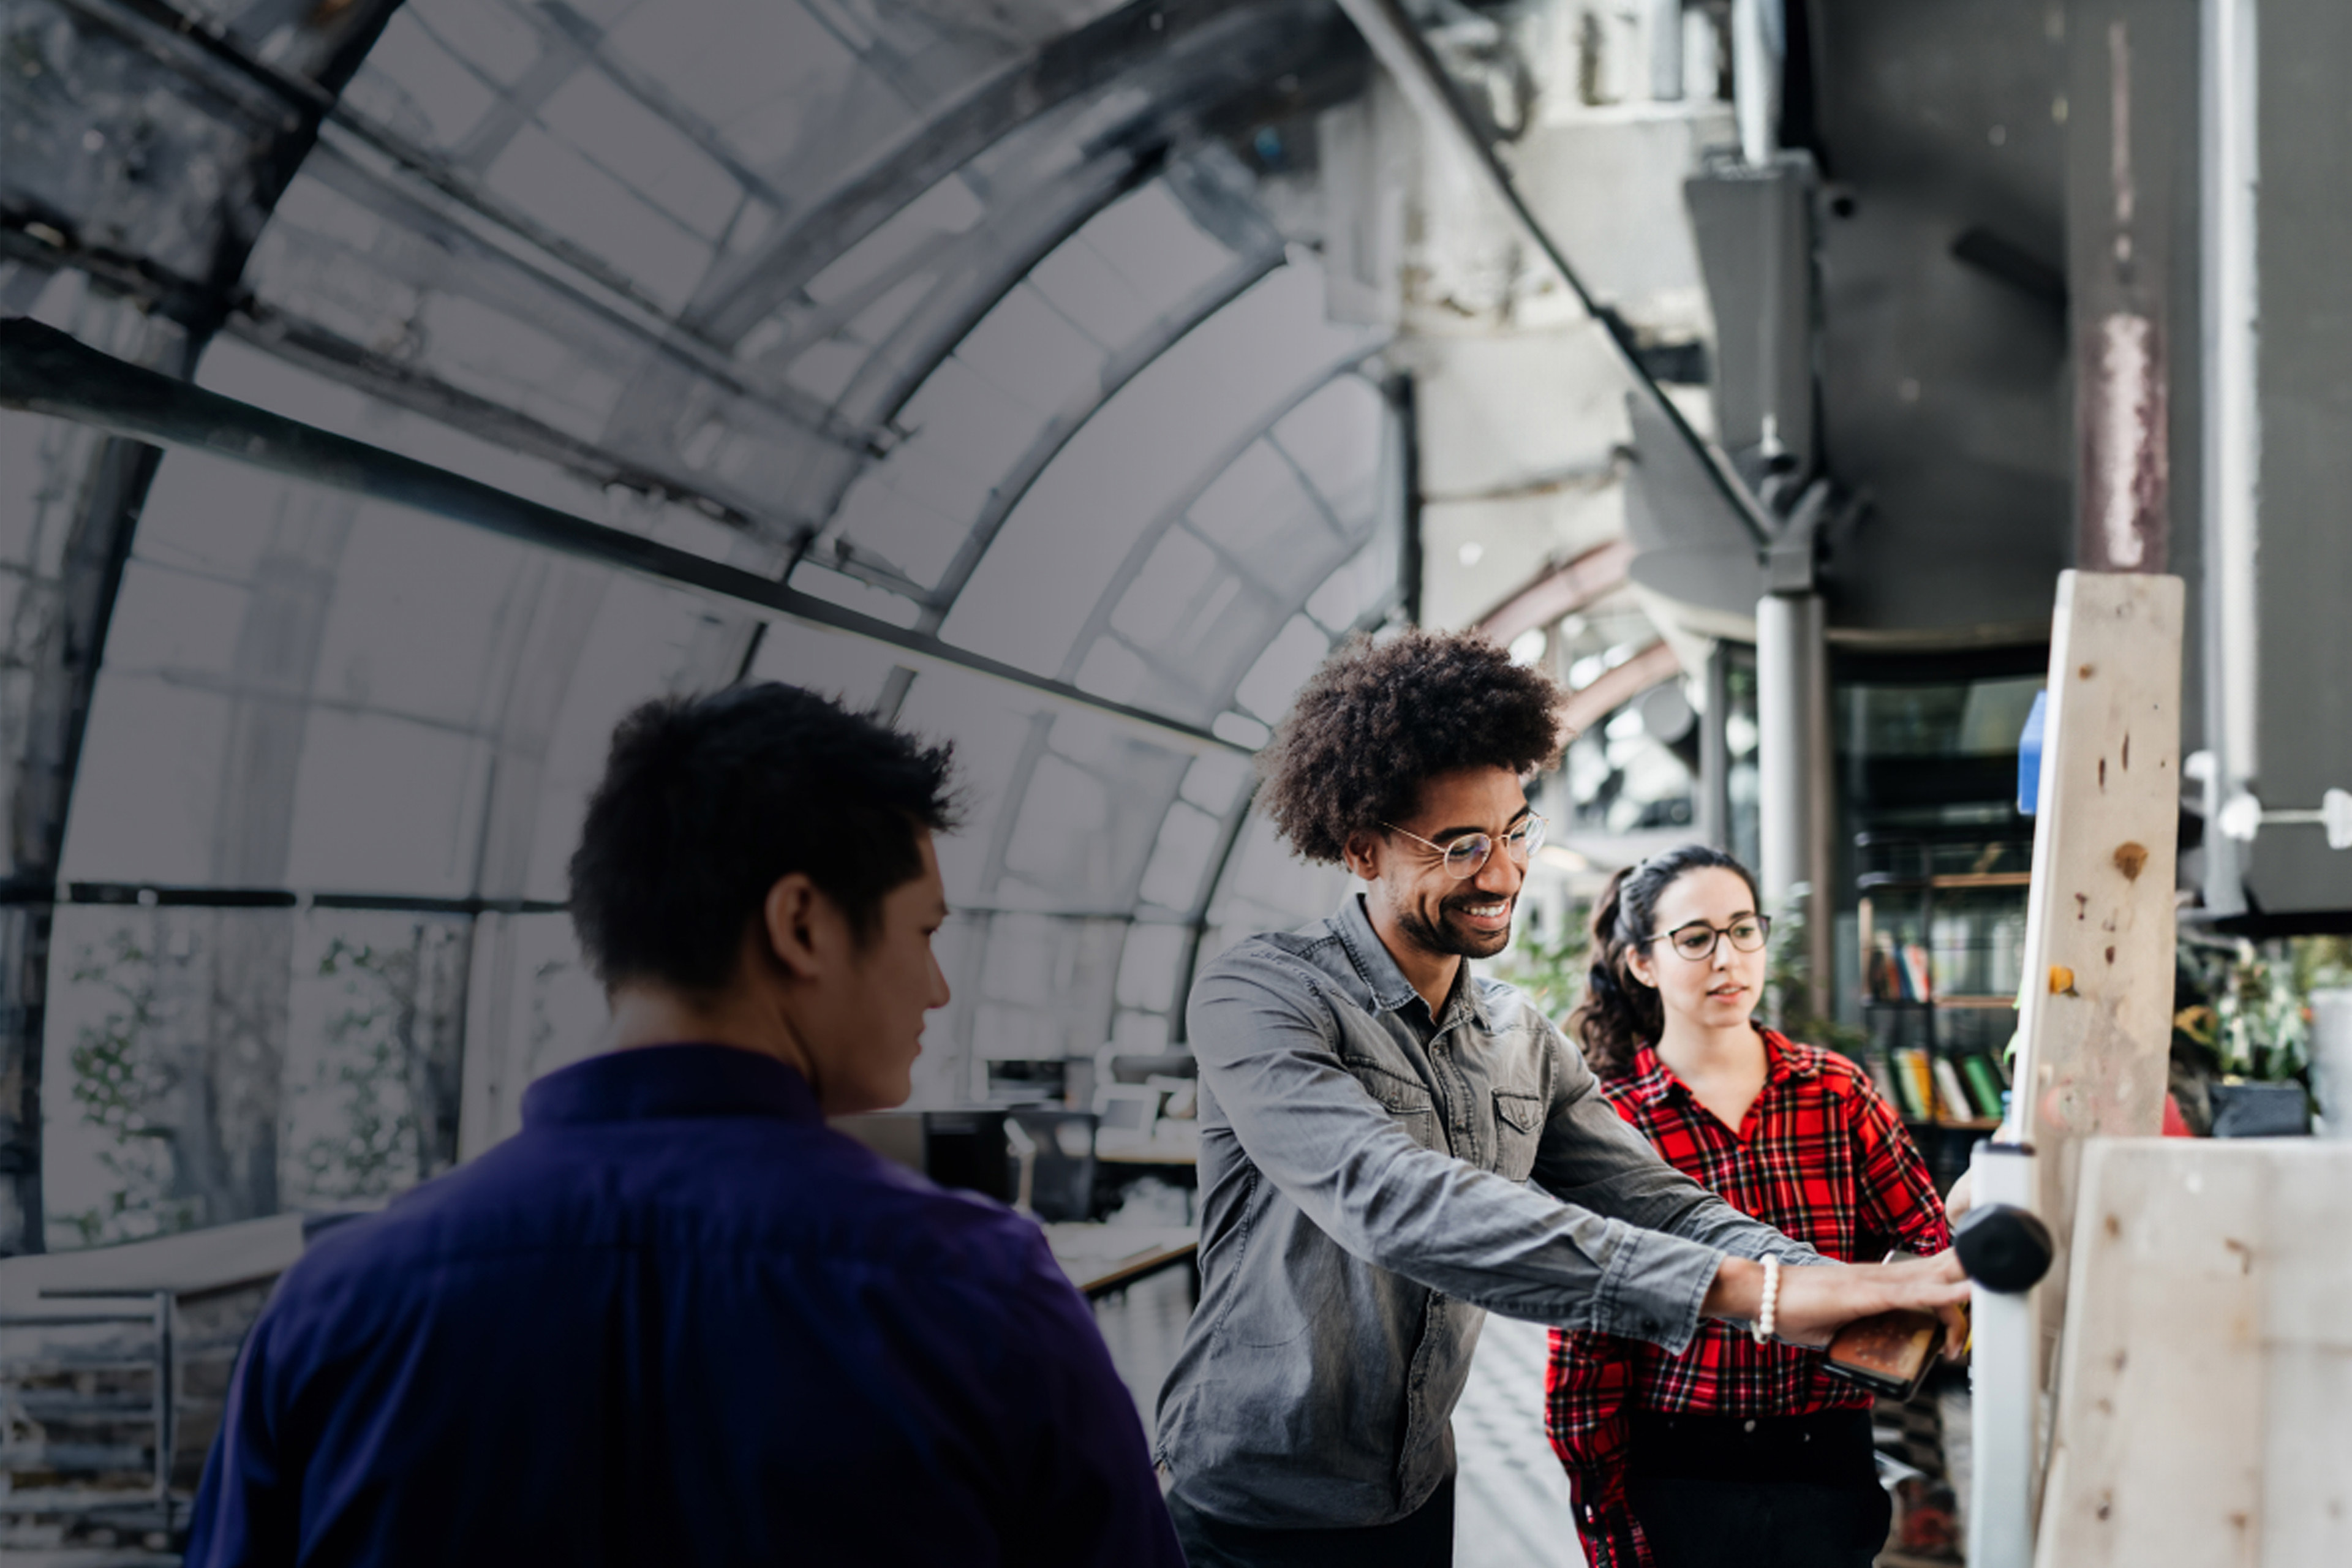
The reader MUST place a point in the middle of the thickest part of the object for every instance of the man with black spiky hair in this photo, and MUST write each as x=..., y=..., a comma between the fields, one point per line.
x=676, y=1318
x=1371, y=1115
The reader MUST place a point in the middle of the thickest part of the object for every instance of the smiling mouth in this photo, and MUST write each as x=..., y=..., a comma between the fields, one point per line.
x=1494, y=913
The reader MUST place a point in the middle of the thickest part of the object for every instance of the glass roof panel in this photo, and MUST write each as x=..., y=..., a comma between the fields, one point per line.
x=643, y=151
x=1034, y=589
x=385, y=804
x=769, y=72
x=1335, y=438
x=1043, y=987
x=1283, y=668
x=493, y=39
x=412, y=83
x=1032, y=351
x=1215, y=780
x=850, y=670
x=1154, y=247
x=629, y=640
x=1188, y=837
x=149, y=787
x=564, y=190
x=1146, y=969
x=1355, y=588
x=1267, y=888
x=420, y=609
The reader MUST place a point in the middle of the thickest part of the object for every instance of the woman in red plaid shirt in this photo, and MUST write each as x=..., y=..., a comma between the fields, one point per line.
x=1733, y=1452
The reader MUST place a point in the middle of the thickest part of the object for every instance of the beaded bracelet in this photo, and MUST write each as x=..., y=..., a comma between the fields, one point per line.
x=1767, y=1315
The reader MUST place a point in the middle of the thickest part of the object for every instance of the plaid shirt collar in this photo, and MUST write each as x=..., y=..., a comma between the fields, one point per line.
x=1653, y=1081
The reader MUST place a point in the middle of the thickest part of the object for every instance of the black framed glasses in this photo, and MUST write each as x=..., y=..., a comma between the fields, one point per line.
x=1467, y=855
x=1697, y=941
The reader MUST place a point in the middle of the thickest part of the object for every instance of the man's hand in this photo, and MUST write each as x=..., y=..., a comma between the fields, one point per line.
x=1816, y=1300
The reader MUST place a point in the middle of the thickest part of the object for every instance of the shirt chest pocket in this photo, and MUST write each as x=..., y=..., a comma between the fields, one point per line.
x=1519, y=1128
x=1406, y=1099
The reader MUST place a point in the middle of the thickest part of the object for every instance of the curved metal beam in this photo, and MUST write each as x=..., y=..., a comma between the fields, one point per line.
x=1073, y=416
x=1613, y=688
x=1561, y=591
x=43, y=370
x=1078, y=64
x=1139, y=553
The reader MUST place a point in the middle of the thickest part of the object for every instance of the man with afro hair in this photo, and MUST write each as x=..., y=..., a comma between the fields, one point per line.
x=1390, y=1146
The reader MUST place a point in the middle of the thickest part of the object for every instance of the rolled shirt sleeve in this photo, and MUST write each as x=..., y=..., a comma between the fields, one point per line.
x=1628, y=1246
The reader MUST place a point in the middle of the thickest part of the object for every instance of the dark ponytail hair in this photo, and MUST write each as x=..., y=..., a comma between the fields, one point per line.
x=1620, y=1014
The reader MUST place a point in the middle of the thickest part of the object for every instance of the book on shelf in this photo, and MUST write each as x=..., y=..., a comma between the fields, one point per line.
x=1882, y=1079
x=1951, y=1099
x=1982, y=1076
x=1914, y=1083
x=1879, y=983
x=1917, y=986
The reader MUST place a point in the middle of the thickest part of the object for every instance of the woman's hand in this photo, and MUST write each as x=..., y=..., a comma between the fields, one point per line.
x=1961, y=1198
x=1816, y=1300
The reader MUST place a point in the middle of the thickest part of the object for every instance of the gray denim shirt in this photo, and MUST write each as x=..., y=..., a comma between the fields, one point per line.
x=1364, y=1172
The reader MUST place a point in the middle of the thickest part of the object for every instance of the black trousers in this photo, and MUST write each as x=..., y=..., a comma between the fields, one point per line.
x=1793, y=1491
x=1424, y=1539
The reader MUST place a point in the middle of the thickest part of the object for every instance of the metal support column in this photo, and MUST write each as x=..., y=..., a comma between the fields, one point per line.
x=1759, y=37
x=1794, y=769
x=1715, y=750
x=2230, y=174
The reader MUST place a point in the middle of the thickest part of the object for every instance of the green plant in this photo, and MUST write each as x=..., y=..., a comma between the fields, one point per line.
x=1788, y=984
x=1551, y=965
x=2249, y=1004
x=122, y=1084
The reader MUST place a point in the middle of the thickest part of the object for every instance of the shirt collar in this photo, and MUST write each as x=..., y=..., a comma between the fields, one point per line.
x=1392, y=992
x=1653, y=1079
x=657, y=1082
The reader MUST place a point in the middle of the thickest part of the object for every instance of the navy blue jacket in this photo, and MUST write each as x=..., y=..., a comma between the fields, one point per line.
x=676, y=1319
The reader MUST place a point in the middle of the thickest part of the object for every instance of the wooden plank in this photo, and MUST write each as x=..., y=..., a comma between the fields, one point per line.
x=2205, y=1404
x=2096, y=1035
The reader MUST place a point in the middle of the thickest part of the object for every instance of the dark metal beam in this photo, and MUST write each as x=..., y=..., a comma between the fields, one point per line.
x=20, y=891
x=65, y=663
x=1080, y=62
x=43, y=370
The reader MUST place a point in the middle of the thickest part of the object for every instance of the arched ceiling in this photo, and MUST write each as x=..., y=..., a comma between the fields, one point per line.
x=982, y=335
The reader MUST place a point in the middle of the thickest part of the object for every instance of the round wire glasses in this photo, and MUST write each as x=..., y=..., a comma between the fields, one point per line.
x=1467, y=855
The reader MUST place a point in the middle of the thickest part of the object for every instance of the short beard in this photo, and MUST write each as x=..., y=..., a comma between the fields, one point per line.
x=1438, y=939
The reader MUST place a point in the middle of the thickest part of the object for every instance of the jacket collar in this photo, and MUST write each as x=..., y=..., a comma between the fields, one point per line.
x=660, y=1082
x=1392, y=992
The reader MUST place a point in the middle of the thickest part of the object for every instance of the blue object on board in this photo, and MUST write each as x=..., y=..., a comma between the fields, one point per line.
x=2029, y=756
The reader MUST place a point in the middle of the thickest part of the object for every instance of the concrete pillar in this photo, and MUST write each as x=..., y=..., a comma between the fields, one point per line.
x=1794, y=804
x=1662, y=25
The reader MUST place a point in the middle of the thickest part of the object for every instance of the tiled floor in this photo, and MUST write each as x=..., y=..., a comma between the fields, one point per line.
x=1511, y=1508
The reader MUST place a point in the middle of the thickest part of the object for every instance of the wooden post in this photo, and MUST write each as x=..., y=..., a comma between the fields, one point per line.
x=2096, y=1026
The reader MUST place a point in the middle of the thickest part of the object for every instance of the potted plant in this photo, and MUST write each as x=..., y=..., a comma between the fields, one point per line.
x=2241, y=1032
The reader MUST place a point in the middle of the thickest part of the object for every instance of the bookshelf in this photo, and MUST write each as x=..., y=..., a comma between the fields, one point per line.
x=1941, y=923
